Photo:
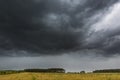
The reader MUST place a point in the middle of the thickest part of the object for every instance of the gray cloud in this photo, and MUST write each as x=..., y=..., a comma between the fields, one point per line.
x=49, y=27
x=104, y=34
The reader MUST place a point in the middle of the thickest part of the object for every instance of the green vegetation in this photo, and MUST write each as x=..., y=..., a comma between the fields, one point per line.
x=50, y=70
x=3, y=72
x=56, y=70
x=107, y=71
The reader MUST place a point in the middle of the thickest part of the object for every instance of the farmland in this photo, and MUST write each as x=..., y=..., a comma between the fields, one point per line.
x=60, y=76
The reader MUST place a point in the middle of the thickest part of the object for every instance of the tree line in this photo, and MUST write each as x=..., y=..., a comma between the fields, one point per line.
x=3, y=72
x=49, y=70
x=56, y=70
x=107, y=71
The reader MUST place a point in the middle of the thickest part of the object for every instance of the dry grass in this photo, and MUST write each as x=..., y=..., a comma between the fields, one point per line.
x=58, y=76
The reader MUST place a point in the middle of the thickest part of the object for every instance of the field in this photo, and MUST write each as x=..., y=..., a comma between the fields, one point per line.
x=59, y=76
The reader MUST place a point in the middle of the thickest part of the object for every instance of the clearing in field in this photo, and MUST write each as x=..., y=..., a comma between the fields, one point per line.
x=59, y=76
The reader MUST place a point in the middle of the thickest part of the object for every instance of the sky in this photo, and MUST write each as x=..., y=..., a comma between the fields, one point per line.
x=72, y=34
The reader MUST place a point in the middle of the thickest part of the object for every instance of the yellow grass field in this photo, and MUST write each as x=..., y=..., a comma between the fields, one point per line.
x=58, y=76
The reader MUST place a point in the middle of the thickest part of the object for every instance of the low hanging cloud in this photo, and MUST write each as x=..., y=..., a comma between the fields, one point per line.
x=54, y=27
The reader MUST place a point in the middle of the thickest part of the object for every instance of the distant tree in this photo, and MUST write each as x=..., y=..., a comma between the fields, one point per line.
x=50, y=70
x=57, y=70
x=82, y=72
x=107, y=71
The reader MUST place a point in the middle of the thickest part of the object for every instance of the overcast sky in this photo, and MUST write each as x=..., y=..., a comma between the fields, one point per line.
x=72, y=34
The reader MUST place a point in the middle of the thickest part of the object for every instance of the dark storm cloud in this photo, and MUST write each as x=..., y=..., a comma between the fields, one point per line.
x=104, y=35
x=45, y=26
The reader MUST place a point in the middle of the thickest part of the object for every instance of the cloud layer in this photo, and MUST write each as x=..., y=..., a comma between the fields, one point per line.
x=54, y=27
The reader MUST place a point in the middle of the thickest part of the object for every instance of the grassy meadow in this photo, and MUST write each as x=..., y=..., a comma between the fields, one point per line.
x=60, y=76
